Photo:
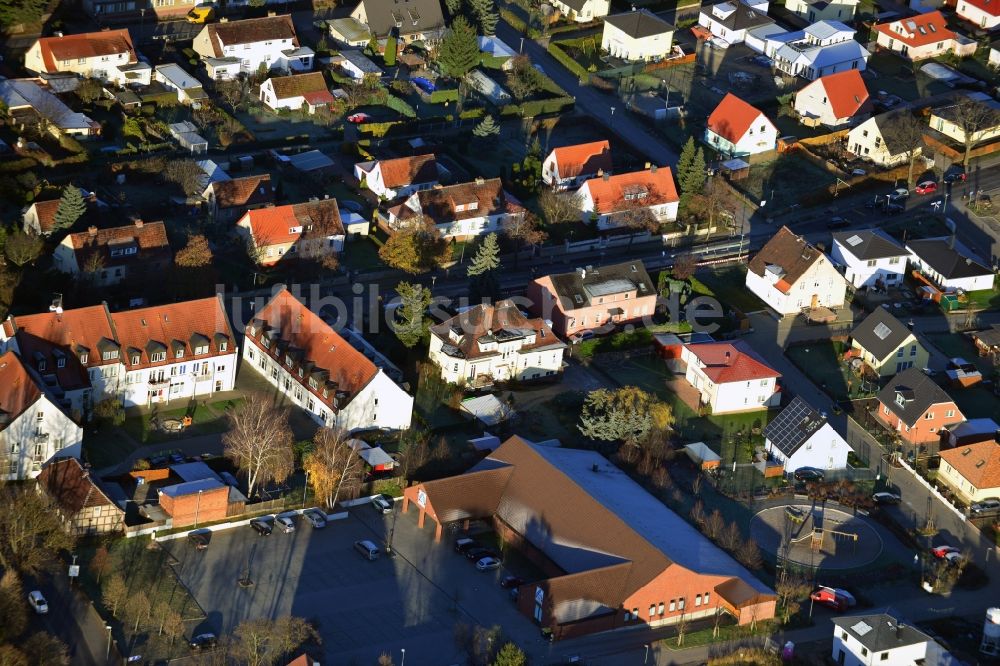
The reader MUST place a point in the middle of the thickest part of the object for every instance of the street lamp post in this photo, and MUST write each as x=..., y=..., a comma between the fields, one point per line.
x=645, y=658
x=108, y=655
x=305, y=488
x=521, y=49
x=612, y=123
x=402, y=661
x=197, y=510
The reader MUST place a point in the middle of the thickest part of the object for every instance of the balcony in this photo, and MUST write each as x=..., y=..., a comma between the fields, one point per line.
x=40, y=437
x=157, y=382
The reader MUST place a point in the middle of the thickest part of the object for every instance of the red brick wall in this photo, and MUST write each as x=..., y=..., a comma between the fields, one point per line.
x=674, y=584
x=185, y=509
x=151, y=474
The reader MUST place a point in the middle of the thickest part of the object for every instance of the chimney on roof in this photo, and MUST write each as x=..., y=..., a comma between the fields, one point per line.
x=652, y=169
x=58, y=33
x=583, y=273
x=272, y=14
x=606, y=176
x=648, y=164
x=138, y=224
x=600, y=173
x=92, y=230
x=729, y=358
x=480, y=180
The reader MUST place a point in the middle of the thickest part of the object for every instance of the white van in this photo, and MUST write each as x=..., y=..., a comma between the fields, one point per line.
x=369, y=550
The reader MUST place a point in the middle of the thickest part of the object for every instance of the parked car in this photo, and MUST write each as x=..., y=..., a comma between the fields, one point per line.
x=927, y=187
x=886, y=498
x=262, y=527
x=827, y=596
x=158, y=461
x=358, y=118
x=488, y=564
x=511, y=582
x=382, y=503
x=955, y=174
x=987, y=506
x=808, y=474
x=205, y=641
x=315, y=517
x=577, y=338
x=838, y=223
x=858, y=172
x=38, y=602
x=465, y=543
x=941, y=551
x=954, y=557
x=285, y=523
x=476, y=554
x=198, y=540
x=875, y=202
x=899, y=193
x=367, y=549
x=894, y=208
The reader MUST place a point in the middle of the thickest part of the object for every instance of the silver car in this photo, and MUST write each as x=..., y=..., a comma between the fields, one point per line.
x=285, y=523
x=315, y=517
x=987, y=506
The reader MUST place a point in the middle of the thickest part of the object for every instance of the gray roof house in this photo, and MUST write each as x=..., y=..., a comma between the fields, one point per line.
x=356, y=64
x=639, y=23
x=910, y=394
x=947, y=266
x=880, y=333
x=880, y=638
x=410, y=20
x=869, y=244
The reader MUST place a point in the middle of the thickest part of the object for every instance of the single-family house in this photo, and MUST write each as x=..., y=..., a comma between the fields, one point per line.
x=790, y=276
x=296, y=92
x=886, y=345
x=918, y=37
x=568, y=167
x=736, y=129
x=113, y=255
x=409, y=20
x=228, y=200
x=874, y=640
x=801, y=436
x=972, y=471
x=486, y=86
x=822, y=10
x=582, y=11
x=623, y=199
x=593, y=297
x=916, y=408
x=947, y=267
x=826, y=47
x=82, y=501
x=398, y=177
x=311, y=230
x=730, y=377
x=349, y=31
x=987, y=341
x=461, y=211
x=974, y=431
x=40, y=217
x=985, y=110
x=870, y=258
x=317, y=370
x=107, y=56
x=730, y=21
x=229, y=48
x=834, y=100
x=984, y=14
x=27, y=102
x=877, y=141
x=33, y=427
x=356, y=65
x=495, y=343
x=637, y=35
x=189, y=89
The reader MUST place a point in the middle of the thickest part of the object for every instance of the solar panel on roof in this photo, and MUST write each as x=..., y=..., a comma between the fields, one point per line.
x=882, y=331
x=855, y=239
x=861, y=628
x=793, y=426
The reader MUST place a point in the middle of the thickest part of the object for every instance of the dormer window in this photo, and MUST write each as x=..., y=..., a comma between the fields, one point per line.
x=264, y=341
x=157, y=357
x=289, y=361
x=900, y=400
x=253, y=330
x=301, y=373
x=135, y=359
x=223, y=346
x=41, y=365
x=84, y=357
x=60, y=362
x=295, y=230
x=201, y=350
x=313, y=384
x=109, y=355
x=179, y=353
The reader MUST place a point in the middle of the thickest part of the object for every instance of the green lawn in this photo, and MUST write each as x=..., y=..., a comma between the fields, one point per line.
x=729, y=286
x=206, y=419
x=821, y=362
x=784, y=181
x=361, y=255
x=984, y=300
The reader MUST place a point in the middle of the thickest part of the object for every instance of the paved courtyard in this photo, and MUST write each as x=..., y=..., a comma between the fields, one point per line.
x=411, y=601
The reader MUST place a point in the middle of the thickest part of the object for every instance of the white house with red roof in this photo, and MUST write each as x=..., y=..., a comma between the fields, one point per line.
x=568, y=167
x=730, y=377
x=317, y=370
x=834, y=100
x=922, y=36
x=311, y=230
x=398, y=177
x=297, y=91
x=792, y=276
x=984, y=14
x=40, y=217
x=735, y=128
x=33, y=428
x=107, y=56
x=230, y=47
x=612, y=200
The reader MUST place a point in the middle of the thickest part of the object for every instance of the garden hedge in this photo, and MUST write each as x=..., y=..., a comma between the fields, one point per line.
x=567, y=62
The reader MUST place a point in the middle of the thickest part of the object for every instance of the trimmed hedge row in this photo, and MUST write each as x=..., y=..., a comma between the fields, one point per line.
x=400, y=106
x=539, y=107
x=567, y=62
x=514, y=21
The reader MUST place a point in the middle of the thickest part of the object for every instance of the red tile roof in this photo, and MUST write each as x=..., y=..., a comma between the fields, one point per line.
x=732, y=118
x=978, y=463
x=583, y=158
x=18, y=390
x=245, y=191
x=919, y=30
x=727, y=362
x=319, y=97
x=652, y=187
x=991, y=7
x=72, y=488
x=274, y=226
x=171, y=328
x=846, y=92
x=408, y=170
x=85, y=45
x=45, y=211
x=149, y=239
x=293, y=331
x=479, y=198
x=76, y=334
x=249, y=31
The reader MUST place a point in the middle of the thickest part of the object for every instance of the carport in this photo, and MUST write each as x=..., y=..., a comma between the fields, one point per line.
x=418, y=495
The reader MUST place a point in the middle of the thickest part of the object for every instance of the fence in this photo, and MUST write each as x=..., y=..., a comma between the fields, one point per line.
x=934, y=491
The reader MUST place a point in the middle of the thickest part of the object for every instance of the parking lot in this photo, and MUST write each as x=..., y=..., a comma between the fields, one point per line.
x=411, y=601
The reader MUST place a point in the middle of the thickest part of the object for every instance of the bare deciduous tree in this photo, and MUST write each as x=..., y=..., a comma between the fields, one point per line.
x=791, y=590
x=22, y=248
x=100, y=563
x=714, y=525
x=973, y=118
x=115, y=594
x=137, y=608
x=523, y=230
x=44, y=649
x=749, y=555
x=559, y=207
x=263, y=642
x=31, y=534
x=905, y=133
x=730, y=538
x=332, y=465
x=259, y=441
x=12, y=607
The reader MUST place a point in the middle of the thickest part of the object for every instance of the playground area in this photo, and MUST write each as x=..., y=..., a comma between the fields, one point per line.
x=817, y=536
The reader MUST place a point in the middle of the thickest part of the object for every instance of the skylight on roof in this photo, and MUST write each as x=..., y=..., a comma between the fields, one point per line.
x=855, y=239
x=882, y=331
x=932, y=27
x=911, y=26
x=861, y=628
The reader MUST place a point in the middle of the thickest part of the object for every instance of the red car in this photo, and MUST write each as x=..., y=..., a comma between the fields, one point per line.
x=942, y=551
x=829, y=598
x=927, y=187
x=358, y=118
